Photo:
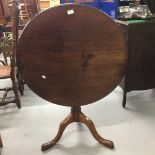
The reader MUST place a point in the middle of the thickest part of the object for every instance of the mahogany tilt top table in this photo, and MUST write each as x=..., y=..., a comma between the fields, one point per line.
x=72, y=55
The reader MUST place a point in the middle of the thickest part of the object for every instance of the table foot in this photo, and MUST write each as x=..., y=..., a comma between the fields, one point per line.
x=89, y=123
x=68, y=120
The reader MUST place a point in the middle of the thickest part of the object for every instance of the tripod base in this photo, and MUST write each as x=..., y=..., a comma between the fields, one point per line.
x=77, y=116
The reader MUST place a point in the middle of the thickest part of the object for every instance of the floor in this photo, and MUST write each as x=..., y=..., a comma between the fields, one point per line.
x=132, y=129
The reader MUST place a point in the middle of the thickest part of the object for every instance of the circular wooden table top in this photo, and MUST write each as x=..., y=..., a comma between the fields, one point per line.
x=72, y=55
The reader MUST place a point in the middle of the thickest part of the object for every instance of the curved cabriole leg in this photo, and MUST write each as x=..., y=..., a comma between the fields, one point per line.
x=84, y=119
x=77, y=116
x=68, y=120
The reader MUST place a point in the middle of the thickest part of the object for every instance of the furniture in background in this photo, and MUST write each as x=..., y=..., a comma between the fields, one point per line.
x=25, y=12
x=34, y=6
x=1, y=144
x=27, y=9
x=9, y=70
x=132, y=9
x=45, y=4
x=151, y=5
x=140, y=73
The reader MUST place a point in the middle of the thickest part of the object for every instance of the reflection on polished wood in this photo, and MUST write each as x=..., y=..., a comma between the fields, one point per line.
x=77, y=116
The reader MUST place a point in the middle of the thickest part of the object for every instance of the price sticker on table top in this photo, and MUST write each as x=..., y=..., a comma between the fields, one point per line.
x=70, y=12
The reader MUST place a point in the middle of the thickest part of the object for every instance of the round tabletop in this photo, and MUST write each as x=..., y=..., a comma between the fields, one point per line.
x=72, y=54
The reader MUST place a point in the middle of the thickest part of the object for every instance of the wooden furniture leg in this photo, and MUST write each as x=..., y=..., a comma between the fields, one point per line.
x=89, y=123
x=124, y=99
x=77, y=116
x=123, y=84
x=15, y=90
x=1, y=144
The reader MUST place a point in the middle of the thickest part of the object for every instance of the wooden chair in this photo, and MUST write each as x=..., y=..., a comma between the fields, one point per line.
x=25, y=12
x=9, y=70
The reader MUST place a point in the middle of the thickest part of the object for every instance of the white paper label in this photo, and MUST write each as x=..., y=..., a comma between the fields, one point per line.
x=43, y=76
x=70, y=12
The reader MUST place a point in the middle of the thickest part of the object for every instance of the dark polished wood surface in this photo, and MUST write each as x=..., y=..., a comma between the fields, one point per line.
x=72, y=55
x=140, y=73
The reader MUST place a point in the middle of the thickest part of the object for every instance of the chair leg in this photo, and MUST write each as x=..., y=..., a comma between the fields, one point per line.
x=15, y=90
x=20, y=84
x=1, y=144
x=124, y=98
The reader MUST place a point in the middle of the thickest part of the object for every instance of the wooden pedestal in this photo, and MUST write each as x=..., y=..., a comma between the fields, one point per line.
x=77, y=116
